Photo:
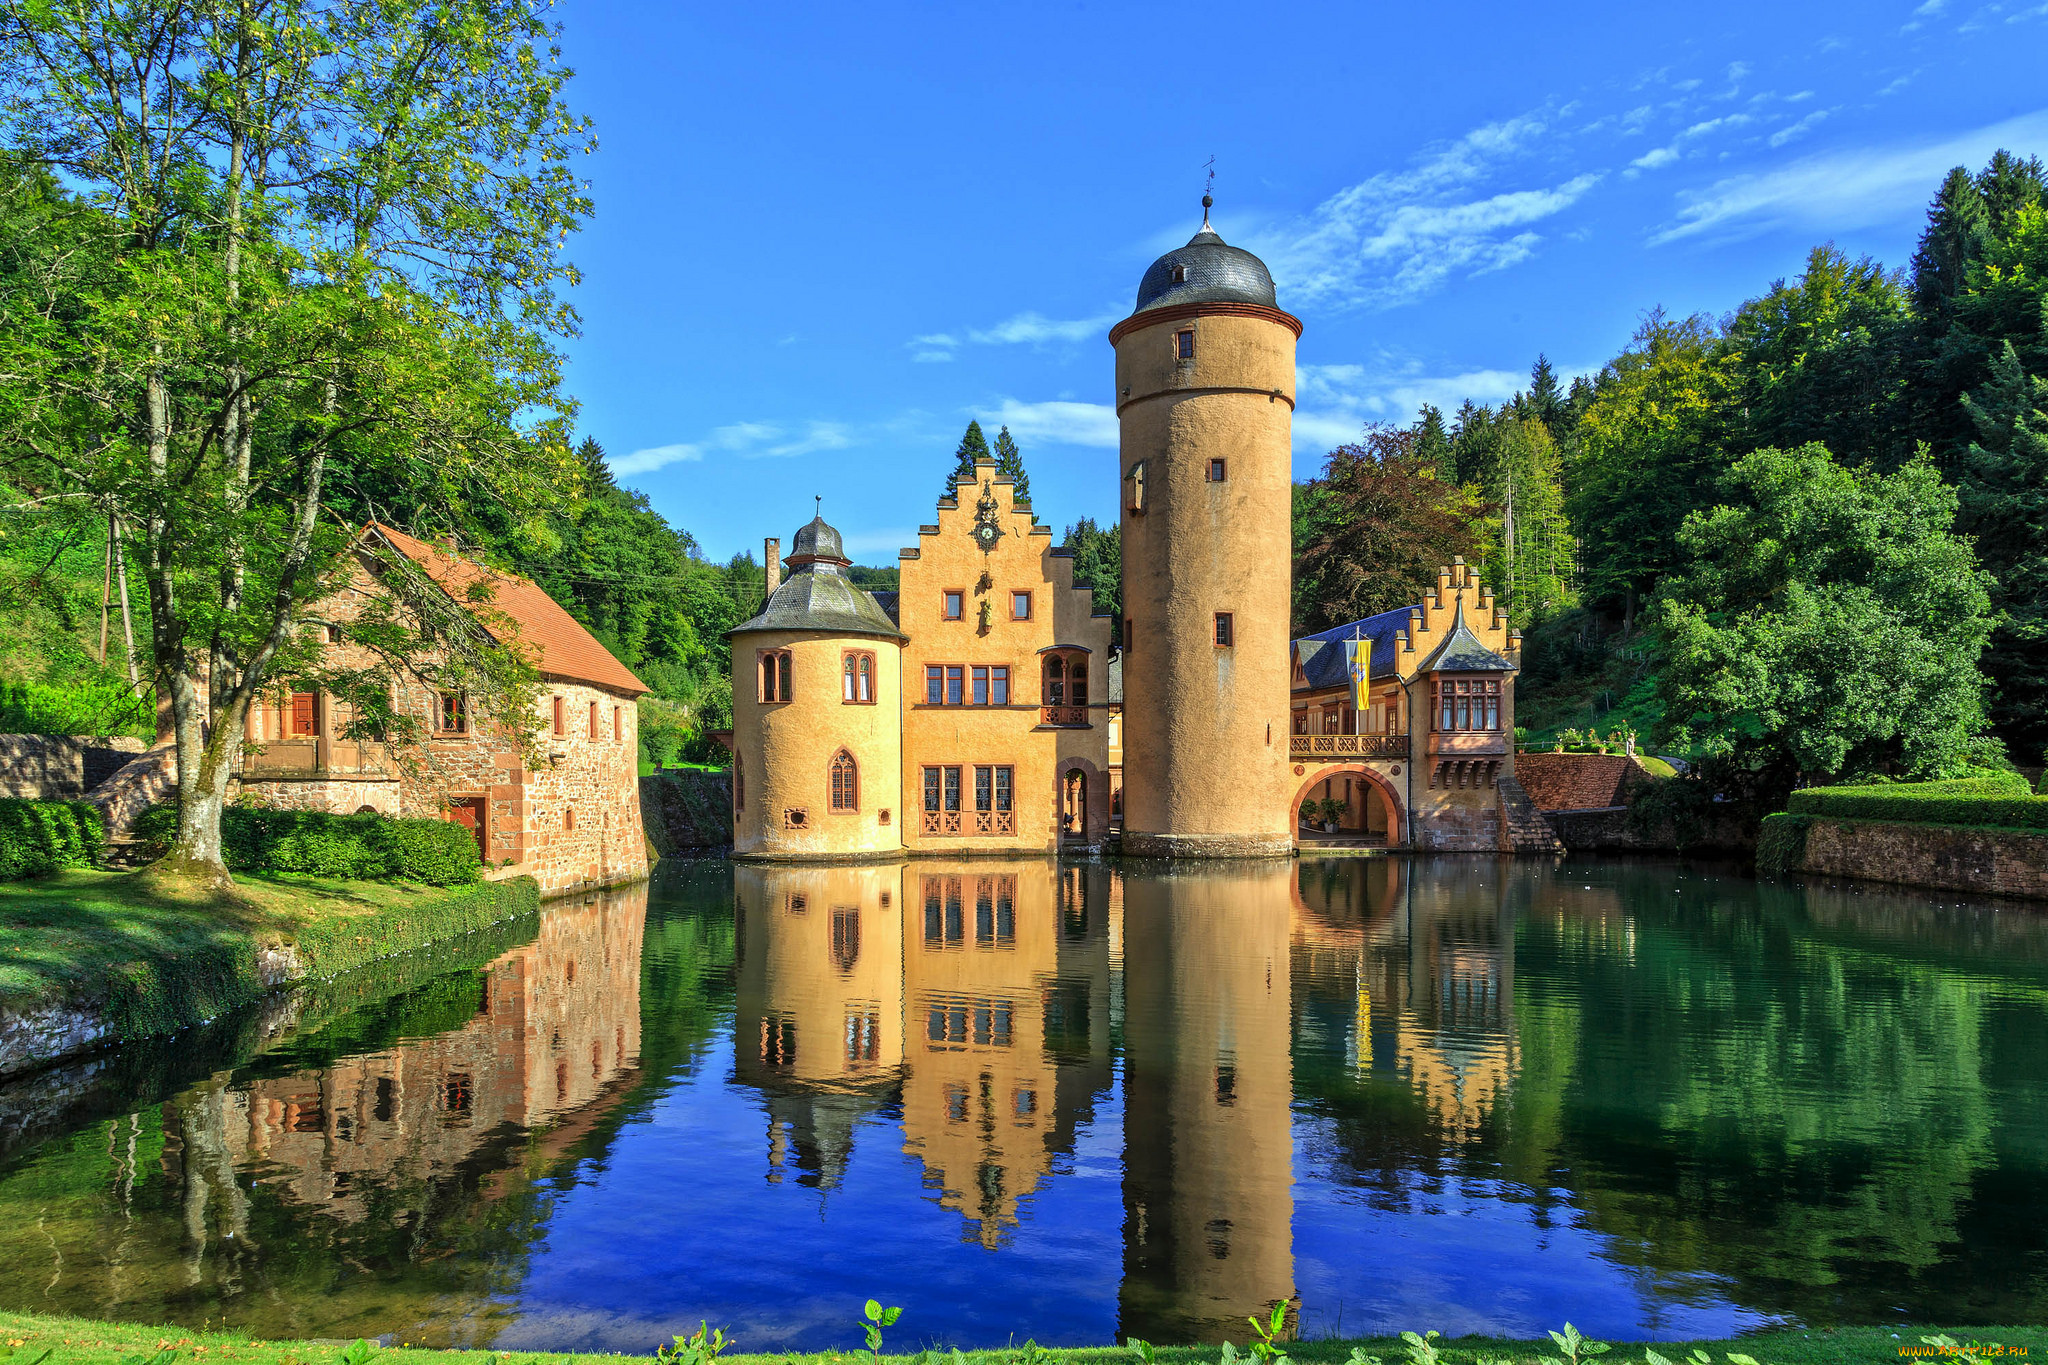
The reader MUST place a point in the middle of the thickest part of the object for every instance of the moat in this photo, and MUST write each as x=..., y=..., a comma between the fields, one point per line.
x=1085, y=1102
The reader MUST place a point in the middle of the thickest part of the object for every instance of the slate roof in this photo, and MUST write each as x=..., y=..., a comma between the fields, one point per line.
x=1216, y=273
x=563, y=648
x=818, y=596
x=888, y=602
x=1116, y=681
x=1322, y=656
x=1464, y=652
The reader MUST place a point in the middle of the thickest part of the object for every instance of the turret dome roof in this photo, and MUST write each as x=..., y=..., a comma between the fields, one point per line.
x=1206, y=270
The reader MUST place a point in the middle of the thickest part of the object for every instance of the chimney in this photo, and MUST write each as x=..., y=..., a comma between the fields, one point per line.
x=771, y=555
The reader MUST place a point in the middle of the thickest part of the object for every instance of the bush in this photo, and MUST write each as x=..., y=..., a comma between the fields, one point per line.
x=1988, y=799
x=40, y=837
x=89, y=708
x=1781, y=844
x=364, y=848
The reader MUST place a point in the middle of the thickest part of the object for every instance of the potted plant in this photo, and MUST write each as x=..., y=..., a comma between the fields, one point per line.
x=1332, y=809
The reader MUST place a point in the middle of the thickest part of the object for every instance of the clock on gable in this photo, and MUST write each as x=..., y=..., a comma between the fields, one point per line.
x=987, y=530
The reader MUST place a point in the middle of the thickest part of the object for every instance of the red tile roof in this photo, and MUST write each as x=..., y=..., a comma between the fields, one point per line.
x=562, y=647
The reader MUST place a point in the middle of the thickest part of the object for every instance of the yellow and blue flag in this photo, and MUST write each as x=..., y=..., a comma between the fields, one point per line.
x=1358, y=662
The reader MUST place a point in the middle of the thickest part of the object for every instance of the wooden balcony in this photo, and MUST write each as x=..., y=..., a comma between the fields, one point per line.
x=1066, y=717
x=300, y=758
x=1320, y=747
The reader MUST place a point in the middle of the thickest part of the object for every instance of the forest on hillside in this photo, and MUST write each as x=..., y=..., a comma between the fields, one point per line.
x=1804, y=540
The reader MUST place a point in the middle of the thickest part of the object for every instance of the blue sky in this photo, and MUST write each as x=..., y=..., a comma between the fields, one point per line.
x=826, y=236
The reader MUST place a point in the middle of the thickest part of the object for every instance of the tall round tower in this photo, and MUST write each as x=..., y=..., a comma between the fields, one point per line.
x=1205, y=401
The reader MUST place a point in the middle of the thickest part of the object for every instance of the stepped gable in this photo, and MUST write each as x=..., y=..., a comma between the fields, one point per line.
x=563, y=648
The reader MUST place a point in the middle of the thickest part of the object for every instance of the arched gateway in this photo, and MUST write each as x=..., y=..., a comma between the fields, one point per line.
x=1372, y=804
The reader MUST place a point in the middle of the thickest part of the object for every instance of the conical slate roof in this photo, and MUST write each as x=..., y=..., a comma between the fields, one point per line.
x=818, y=596
x=1464, y=652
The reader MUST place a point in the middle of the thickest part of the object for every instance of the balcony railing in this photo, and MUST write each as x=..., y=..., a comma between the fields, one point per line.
x=1071, y=716
x=952, y=823
x=1349, y=746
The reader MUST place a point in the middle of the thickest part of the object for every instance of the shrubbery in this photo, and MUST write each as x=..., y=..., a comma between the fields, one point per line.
x=90, y=708
x=40, y=837
x=357, y=847
x=1990, y=799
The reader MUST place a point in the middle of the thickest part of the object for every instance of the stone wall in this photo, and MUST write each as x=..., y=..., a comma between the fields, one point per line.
x=60, y=767
x=1988, y=862
x=688, y=812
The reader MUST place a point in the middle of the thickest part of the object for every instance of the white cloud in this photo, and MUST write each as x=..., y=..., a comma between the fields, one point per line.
x=653, y=458
x=1845, y=190
x=1399, y=235
x=931, y=357
x=1799, y=129
x=1338, y=401
x=936, y=339
x=1034, y=329
x=1058, y=421
x=747, y=440
x=1655, y=157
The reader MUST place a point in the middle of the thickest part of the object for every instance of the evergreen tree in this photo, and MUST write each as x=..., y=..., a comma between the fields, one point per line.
x=1545, y=402
x=1530, y=550
x=1472, y=444
x=2005, y=506
x=973, y=446
x=1099, y=562
x=1433, y=443
x=1954, y=237
x=2009, y=183
x=1010, y=463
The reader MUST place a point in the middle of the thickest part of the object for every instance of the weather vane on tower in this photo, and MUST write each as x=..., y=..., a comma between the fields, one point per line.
x=1208, y=194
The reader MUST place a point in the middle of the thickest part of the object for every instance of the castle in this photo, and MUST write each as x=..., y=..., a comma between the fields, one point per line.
x=984, y=707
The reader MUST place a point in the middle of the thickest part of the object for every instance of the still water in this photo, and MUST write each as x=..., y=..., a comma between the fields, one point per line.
x=1079, y=1104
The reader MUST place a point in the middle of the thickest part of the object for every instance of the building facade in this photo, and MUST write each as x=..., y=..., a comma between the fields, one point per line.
x=964, y=713
x=570, y=821
x=984, y=708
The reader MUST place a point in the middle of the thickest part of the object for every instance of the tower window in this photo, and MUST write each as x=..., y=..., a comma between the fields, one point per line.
x=857, y=678
x=845, y=775
x=1224, y=637
x=1184, y=345
x=775, y=675
x=1216, y=471
x=1134, y=490
x=1180, y=274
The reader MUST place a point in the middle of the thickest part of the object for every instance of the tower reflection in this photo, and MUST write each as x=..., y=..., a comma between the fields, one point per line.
x=1208, y=1159
x=818, y=1007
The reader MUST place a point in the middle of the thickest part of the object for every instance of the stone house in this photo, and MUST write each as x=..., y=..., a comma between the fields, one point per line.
x=571, y=821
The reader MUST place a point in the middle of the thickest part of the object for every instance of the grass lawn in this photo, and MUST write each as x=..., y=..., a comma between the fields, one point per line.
x=100, y=1343
x=151, y=960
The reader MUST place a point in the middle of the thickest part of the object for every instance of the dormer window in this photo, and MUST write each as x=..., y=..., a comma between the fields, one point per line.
x=1180, y=274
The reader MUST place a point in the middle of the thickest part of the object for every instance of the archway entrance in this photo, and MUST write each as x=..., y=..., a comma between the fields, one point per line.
x=1347, y=804
x=1074, y=806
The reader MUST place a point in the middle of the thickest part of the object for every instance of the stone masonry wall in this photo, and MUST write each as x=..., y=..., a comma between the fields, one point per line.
x=1579, y=781
x=1986, y=862
x=60, y=767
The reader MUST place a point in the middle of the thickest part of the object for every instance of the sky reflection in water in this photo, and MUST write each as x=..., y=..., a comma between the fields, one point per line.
x=1081, y=1104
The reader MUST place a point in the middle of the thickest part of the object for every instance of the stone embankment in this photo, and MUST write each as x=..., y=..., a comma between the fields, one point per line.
x=688, y=812
x=1976, y=860
x=1589, y=800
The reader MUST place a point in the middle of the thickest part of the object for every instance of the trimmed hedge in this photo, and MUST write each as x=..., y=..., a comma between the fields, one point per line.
x=363, y=848
x=39, y=837
x=2000, y=800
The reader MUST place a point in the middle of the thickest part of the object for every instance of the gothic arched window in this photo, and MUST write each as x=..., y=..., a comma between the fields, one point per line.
x=845, y=782
x=1055, y=680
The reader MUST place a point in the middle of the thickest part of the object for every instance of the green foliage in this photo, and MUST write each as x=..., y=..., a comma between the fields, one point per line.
x=1998, y=802
x=874, y=1316
x=1372, y=530
x=1099, y=562
x=1575, y=1348
x=1781, y=843
x=354, y=847
x=1829, y=622
x=1010, y=464
x=1530, y=549
x=1269, y=1343
x=357, y=1352
x=701, y=1347
x=88, y=707
x=973, y=446
x=41, y=837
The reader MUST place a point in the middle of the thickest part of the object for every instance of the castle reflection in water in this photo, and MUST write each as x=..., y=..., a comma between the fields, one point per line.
x=993, y=1002
x=981, y=1014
